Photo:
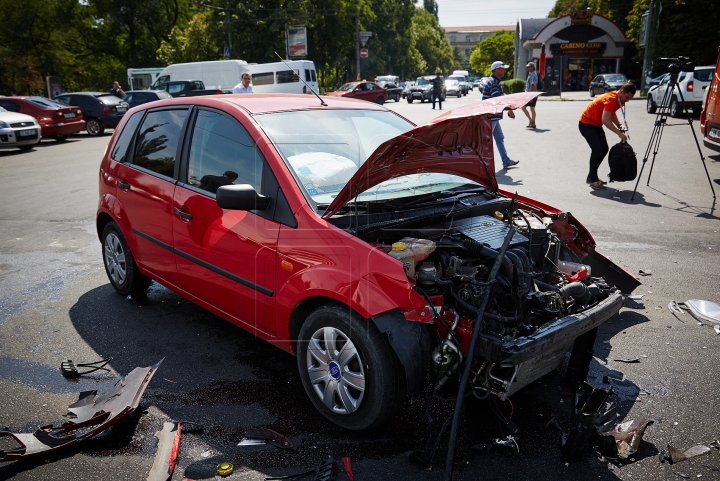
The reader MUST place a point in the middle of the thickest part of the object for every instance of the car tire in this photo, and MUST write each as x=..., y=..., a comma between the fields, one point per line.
x=26, y=147
x=380, y=101
x=119, y=263
x=675, y=109
x=332, y=380
x=397, y=98
x=94, y=127
x=592, y=92
x=459, y=95
x=651, y=106
x=61, y=138
x=410, y=100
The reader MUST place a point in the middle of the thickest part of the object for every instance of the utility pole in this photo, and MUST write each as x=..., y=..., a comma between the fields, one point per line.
x=646, y=55
x=357, y=44
x=229, y=21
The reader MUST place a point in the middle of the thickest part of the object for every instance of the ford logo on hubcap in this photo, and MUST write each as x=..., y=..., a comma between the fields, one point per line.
x=334, y=370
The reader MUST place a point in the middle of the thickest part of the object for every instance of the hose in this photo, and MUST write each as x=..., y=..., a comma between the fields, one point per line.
x=477, y=249
x=576, y=290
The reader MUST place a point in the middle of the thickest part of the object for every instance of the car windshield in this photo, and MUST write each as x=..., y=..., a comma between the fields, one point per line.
x=2, y=110
x=451, y=82
x=423, y=81
x=615, y=78
x=347, y=87
x=325, y=148
x=45, y=103
x=704, y=75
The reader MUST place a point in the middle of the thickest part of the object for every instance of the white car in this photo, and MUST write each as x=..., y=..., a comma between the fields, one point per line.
x=690, y=84
x=18, y=131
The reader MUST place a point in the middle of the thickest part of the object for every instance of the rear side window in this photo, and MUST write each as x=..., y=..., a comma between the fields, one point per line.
x=222, y=153
x=704, y=75
x=308, y=78
x=83, y=102
x=175, y=88
x=314, y=77
x=158, y=139
x=119, y=153
x=10, y=105
x=265, y=78
x=287, y=76
x=63, y=100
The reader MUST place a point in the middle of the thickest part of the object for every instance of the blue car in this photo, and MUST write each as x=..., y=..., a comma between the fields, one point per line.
x=139, y=97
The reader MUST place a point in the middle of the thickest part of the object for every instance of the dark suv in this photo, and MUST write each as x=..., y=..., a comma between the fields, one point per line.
x=100, y=110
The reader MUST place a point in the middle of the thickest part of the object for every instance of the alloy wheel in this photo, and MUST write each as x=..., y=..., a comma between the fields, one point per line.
x=115, y=259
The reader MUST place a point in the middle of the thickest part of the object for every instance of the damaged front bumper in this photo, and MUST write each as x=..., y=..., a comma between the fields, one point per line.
x=518, y=362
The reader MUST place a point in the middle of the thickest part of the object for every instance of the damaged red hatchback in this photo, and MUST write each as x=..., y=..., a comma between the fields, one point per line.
x=363, y=244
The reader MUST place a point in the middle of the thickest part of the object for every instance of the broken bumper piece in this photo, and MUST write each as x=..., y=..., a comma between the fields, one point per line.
x=92, y=413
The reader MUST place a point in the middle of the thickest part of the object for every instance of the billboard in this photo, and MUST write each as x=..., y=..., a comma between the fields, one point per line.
x=297, y=41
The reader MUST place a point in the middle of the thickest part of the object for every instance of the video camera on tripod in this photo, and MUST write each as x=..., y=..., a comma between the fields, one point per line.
x=679, y=64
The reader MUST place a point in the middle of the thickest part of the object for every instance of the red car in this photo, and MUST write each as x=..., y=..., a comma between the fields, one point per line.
x=56, y=120
x=364, y=90
x=342, y=233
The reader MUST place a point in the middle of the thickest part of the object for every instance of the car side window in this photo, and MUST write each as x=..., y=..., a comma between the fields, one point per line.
x=174, y=88
x=157, y=141
x=63, y=100
x=369, y=87
x=222, y=153
x=82, y=102
x=119, y=152
x=129, y=97
x=665, y=80
x=10, y=105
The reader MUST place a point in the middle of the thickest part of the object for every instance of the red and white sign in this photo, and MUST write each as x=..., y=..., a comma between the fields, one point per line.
x=363, y=53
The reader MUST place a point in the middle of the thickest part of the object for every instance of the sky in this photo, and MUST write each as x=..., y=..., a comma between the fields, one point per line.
x=466, y=13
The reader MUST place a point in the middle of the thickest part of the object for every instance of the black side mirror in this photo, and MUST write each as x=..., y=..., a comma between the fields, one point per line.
x=240, y=197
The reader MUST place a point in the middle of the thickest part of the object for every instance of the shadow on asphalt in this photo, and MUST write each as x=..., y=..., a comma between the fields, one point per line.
x=504, y=176
x=623, y=196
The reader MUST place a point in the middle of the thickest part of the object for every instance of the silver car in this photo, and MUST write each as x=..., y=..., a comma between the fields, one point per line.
x=18, y=131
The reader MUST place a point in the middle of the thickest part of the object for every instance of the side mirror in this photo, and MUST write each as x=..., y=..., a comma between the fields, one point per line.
x=240, y=197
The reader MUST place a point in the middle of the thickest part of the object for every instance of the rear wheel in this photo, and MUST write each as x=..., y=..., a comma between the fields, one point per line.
x=347, y=368
x=651, y=106
x=120, y=264
x=409, y=99
x=26, y=147
x=592, y=92
x=61, y=138
x=380, y=101
x=397, y=98
x=94, y=127
x=675, y=108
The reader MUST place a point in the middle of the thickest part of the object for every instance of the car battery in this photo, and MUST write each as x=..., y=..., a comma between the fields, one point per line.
x=542, y=244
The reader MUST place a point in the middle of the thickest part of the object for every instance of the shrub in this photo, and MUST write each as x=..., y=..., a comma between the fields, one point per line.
x=513, y=86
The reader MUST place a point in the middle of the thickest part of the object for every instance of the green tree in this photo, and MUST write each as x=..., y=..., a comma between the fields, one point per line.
x=431, y=44
x=432, y=7
x=498, y=46
x=191, y=44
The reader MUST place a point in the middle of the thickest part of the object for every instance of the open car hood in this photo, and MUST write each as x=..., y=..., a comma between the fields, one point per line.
x=458, y=143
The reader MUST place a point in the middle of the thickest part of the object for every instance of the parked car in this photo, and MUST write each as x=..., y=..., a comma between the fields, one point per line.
x=452, y=87
x=607, y=82
x=186, y=88
x=464, y=85
x=655, y=81
x=56, y=120
x=18, y=130
x=406, y=87
x=422, y=90
x=710, y=116
x=394, y=92
x=139, y=97
x=364, y=90
x=689, y=86
x=100, y=110
x=336, y=231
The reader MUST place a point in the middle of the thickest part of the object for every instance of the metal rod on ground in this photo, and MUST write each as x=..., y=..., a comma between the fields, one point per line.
x=468, y=362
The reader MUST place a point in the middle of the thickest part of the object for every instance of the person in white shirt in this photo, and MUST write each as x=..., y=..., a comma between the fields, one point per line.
x=244, y=86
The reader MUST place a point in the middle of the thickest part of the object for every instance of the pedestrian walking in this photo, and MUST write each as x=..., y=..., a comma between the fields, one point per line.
x=531, y=86
x=116, y=90
x=492, y=88
x=438, y=83
x=244, y=86
x=603, y=112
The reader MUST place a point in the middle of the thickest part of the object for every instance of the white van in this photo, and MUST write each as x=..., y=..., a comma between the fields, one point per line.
x=225, y=74
x=142, y=78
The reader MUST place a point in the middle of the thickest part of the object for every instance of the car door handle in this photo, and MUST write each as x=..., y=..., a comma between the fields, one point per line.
x=123, y=185
x=184, y=215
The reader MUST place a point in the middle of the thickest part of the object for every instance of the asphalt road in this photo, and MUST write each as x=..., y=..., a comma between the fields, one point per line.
x=56, y=304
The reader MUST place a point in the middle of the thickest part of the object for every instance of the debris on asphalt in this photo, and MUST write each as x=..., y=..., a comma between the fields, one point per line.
x=629, y=360
x=682, y=475
x=715, y=444
x=623, y=440
x=636, y=297
x=703, y=311
x=645, y=272
x=499, y=447
x=327, y=471
x=258, y=436
x=674, y=455
x=70, y=370
x=347, y=464
x=717, y=329
x=224, y=469
x=588, y=406
x=92, y=412
x=710, y=467
x=167, y=452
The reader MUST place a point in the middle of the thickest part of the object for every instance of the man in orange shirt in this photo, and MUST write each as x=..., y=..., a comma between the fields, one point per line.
x=603, y=111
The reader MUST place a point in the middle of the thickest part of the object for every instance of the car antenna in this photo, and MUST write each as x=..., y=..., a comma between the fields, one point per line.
x=322, y=102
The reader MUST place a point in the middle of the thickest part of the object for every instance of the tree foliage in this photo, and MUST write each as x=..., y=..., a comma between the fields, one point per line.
x=498, y=46
x=191, y=44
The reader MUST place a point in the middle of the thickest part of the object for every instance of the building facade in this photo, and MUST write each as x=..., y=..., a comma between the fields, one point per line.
x=569, y=51
x=465, y=38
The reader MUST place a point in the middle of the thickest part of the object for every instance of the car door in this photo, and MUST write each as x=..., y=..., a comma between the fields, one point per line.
x=146, y=184
x=226, y=257
x=660, y=92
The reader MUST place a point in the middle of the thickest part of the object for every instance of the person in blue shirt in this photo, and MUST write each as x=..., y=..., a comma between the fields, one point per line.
x=492, y=88
x=531, y=86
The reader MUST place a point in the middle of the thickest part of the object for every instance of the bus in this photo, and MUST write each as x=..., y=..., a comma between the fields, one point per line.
x=142, y=78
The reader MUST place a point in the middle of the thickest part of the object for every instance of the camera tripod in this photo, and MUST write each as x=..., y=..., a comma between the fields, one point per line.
x=660, y=122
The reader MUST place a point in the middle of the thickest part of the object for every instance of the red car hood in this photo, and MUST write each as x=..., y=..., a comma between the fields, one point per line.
x=458, y=142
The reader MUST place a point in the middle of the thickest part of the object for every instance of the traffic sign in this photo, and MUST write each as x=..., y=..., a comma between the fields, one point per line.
x=365, y=34
x=363, y=53
x=226, y=52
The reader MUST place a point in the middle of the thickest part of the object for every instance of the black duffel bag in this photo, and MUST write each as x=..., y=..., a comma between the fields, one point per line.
x=623, y=163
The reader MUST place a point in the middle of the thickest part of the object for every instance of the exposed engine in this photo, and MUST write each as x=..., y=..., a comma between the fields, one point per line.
x=534, y=289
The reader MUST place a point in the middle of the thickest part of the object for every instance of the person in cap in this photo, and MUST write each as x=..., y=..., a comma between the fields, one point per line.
x=531, y=86
x=492, y=88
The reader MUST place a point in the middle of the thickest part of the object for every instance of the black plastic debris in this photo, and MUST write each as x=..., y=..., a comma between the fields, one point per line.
x=70, y=369
x=167, y=452
x=710, y=467
x=645, y=272
x=628, y=360
x=682, y=475
x=259, y=436
x=674, y=455
x=327, y=471
x=91, y=414
x=588, y=408
x=499, y=447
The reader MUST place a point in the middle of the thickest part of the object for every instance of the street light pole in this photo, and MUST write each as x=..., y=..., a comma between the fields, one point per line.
x=357, y=44
x=646, y=54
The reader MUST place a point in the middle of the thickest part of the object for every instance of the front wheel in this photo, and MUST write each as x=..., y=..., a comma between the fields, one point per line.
x=409, y=99
x=592, y=92
x=61, y=138
x=94, y=127
x=651, y=106
x=120, y=264
x=675, y=109
x=348, y=369
x=380, y=101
